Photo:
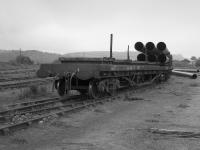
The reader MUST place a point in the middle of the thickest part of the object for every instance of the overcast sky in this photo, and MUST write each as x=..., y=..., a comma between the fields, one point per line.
x=64, y=26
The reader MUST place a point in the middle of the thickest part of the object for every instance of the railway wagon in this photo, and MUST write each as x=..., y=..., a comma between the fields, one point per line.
x=101, y=76
x=98, y=76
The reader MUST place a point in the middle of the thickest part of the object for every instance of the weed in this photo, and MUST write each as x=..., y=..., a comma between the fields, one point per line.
x=33, y=91
x=194, y=85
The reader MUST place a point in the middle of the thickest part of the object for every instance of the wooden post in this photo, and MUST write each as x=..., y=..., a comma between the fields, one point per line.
x=128, y=57
x=111, y=43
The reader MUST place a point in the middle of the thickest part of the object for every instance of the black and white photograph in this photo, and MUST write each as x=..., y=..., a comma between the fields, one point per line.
x=99, y=74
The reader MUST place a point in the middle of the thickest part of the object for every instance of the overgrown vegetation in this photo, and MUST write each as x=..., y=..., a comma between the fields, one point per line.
x=193, y=62
x=194, y=85
x=33, y=91
x=197, y=63
x=185, y=61
x=182, y=64
x=25, y=60
x=57, y=61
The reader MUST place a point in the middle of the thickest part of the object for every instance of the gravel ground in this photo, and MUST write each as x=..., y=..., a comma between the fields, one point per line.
x=122, y=124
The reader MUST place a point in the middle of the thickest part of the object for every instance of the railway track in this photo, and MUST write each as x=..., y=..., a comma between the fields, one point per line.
x=16, y=78
x=17, y=71
x=20, y=108
x=36, y=106
x=24, y=83
x=34, y=111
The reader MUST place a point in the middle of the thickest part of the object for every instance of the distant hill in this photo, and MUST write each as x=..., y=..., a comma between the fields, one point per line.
x=36, y=56
x=44, y=57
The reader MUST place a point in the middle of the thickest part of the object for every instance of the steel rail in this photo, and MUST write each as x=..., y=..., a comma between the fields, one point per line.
x=16, y=79
x=46, y=110
x=31, y=102
x=24, y=83
x=29, y=106
x=26, y=108
x=12, y=127
x=12, y=71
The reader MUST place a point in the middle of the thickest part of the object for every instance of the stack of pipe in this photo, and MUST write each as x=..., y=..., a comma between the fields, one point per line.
x=153, y=53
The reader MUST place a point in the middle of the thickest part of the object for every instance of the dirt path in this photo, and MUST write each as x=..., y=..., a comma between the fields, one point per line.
x=122, y=124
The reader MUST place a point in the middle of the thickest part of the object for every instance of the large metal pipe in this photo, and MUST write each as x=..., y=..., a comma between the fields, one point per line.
x=139, y=46
x=162, y=58
x=184, y=74
x=151, y=49
x=111, y=44
x=151, y=58
x=187, y=70
x=150, y=46
x=141, y=57
x=163, y=48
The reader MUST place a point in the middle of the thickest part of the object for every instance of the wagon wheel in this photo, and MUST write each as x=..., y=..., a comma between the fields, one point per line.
x=61, y=87
x=83, y=91
x=93, y=90
x=112, y=88
x=167, y=76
